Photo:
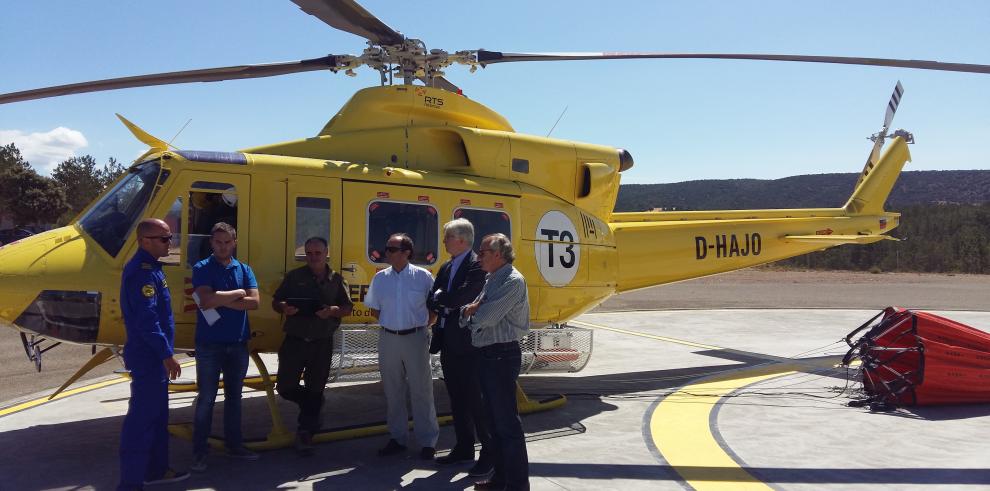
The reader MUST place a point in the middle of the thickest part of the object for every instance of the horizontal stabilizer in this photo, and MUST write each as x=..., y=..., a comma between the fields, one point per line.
x=834, y=240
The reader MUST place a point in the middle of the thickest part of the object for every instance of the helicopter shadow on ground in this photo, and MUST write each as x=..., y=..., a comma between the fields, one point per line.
x=84, y=453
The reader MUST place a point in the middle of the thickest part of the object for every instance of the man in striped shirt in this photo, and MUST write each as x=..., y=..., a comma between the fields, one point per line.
x=498, y=319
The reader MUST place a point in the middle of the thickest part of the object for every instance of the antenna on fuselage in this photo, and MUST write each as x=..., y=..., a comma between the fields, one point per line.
x=558, y=120
x=179, y=132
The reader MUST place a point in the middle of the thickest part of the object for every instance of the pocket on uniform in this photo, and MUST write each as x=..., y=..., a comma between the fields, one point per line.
x=416, y=297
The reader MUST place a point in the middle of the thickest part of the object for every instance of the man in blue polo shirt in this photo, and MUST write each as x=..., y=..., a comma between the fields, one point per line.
x=225, y=286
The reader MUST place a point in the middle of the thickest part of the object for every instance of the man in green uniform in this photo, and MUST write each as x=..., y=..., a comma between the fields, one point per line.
x=313, y=299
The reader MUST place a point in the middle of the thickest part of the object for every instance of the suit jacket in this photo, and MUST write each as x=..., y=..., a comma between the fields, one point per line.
x=467, y=285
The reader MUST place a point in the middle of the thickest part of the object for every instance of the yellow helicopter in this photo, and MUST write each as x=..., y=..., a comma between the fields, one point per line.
x=407, y=157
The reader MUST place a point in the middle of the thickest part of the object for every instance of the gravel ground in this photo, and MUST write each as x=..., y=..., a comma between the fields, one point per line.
x=752, y=288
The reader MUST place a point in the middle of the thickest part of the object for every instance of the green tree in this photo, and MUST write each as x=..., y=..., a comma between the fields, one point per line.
x=80, y=179
x=111, y=171
x=83, y=181
x=31, y=198
x=10, y=158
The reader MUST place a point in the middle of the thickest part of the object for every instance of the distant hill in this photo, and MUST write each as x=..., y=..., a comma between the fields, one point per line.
x=809, y=191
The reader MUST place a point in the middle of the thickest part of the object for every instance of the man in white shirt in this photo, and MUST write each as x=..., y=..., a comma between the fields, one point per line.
x=397, y=298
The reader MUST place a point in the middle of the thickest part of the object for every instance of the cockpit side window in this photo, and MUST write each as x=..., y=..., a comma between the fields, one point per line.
x=110, y=221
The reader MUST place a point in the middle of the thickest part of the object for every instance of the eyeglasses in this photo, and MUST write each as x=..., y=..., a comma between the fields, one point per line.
x=393, y=249
x=165, y=239
x=485, y=251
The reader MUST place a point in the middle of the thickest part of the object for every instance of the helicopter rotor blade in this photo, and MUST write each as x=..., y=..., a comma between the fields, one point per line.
x=488, y=57
x=329, y=62
x=349, y=16
x=895, y=100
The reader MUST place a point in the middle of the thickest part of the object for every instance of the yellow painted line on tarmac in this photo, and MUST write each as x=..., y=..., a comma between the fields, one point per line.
x=71, y=392
x=66, y=393
x=680, y=427
x=680, y=424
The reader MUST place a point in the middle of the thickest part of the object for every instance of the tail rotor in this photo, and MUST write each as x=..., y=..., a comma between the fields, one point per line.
x=880, y=137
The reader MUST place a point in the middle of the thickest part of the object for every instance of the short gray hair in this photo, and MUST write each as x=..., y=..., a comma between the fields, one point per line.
x=225, y=228
x=460, y=228
x=501, y=244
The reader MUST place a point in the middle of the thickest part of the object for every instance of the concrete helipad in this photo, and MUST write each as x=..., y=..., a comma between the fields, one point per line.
x=716, y=399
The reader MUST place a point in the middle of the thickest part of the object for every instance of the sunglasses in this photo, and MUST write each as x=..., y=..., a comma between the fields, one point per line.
x=393, y=249
x=165, y=239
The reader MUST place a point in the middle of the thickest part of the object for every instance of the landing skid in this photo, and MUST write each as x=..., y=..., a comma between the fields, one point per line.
x=281, y=437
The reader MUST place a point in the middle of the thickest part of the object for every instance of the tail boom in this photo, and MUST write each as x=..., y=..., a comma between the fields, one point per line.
x=655, y=248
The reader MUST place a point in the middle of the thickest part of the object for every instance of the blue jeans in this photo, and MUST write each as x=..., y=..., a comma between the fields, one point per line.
x=499, y=370
x=211, y=359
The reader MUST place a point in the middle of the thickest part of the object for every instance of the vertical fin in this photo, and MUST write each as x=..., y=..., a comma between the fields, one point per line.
x=871, y=193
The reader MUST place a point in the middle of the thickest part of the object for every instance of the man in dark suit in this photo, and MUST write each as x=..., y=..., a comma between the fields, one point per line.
x=458, y=283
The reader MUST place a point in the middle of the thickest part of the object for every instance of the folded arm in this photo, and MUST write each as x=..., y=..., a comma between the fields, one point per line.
x=210, y=299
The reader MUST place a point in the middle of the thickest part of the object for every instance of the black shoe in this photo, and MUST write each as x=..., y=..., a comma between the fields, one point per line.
x=481, y=469
x=455, y=458
x=170, y=476
x=489, y=485
x=427, y=453
x=391, y=448
x=304, y=444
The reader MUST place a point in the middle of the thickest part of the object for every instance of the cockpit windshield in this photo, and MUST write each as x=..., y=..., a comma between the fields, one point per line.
x=110, y=221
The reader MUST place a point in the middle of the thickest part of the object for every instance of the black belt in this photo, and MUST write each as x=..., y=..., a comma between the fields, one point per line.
x=307, y=340
x=404, y=331
x=511, y=345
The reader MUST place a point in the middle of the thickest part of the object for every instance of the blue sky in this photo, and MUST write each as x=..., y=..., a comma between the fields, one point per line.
x=681, y=119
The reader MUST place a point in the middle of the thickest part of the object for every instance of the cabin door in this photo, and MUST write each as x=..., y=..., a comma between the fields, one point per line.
x=313, y=209
x=194, y=203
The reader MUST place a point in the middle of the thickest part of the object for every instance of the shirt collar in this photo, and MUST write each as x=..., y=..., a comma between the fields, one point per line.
x=233, y=262
x=456, y=261
x=146, y=257
x=327, y=269
x=461, y=256
x=501, y=272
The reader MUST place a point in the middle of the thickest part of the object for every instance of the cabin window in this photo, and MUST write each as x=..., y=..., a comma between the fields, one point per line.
x=110, y=221
x=418, y=221
x=485, y=222
x=174, y=220
x=520, y=165
x=312, y=220
x=209, y=204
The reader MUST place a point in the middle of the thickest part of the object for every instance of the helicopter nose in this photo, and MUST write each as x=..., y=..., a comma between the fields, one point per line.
x=40, y=287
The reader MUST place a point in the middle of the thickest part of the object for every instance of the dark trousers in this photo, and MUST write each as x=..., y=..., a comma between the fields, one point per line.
x=212, y=359
x=144, y=437
x=460, y=374
x=499, y=370
x=310, y=361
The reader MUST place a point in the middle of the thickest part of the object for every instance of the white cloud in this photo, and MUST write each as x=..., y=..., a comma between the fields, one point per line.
x=45, y=150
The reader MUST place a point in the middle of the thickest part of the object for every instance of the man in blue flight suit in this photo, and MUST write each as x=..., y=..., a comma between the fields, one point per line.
x=147, y=308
